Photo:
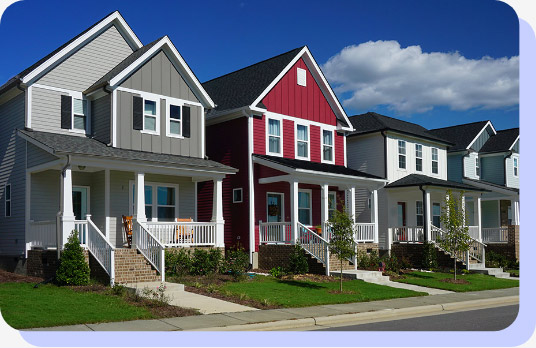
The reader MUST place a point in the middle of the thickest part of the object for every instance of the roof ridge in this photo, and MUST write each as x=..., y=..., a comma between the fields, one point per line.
x=462, y=124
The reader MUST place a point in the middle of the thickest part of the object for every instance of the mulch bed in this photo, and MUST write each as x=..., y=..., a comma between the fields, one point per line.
x=9, y=277
x=452, y=281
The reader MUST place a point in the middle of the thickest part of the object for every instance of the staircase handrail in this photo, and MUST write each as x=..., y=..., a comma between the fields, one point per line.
x=101, y=248
x=314, y=244
x=150, y=247
x=476, y=250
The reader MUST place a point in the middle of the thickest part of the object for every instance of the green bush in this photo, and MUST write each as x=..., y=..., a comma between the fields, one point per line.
x=368, y=261
x=494, y=259
x=277, y=272
x=178, y=262
x=392, y=264
x=429, y=256
x=73, y=269
x=236, y=262
x=297, y=263
x=205, y=262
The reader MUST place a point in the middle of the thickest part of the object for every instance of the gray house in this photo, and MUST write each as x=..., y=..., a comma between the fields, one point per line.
x=87, y=126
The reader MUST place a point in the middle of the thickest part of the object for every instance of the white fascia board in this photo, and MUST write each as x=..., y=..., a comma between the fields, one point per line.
x=114, y=18
x=482, y=130
x=512, y=146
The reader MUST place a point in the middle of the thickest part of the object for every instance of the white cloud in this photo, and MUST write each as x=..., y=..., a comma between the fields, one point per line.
x=409, y=80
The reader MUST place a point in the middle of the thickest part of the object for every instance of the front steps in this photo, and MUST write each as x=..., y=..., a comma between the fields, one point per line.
x=132, y=267
x=367, y=276
x=496, y=272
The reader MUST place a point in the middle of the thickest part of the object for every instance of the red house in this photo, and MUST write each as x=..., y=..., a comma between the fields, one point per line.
x=279, y=123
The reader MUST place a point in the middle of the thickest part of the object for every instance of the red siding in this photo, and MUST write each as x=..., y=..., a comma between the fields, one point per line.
x=315, y=144
x=259, y=136
x=339, y=149
x=308, y=102
x=288, y=139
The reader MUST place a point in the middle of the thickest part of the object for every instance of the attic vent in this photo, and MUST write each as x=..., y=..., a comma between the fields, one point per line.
x=302, y=77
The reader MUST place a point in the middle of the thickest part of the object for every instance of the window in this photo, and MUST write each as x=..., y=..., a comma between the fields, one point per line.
x=301, y=77
x=302, y=141
x=401, y=154
x=419, y=213
x=304, y=207
x=516, y=167
x=166, y=203
x=436, y=214
x=274, y=136
x=332, y=204
x=237, y=195
x=418, y=159
x=327, y=145
x=160, y=201
x=435, y=161
x=149, y=115
x=477, y=166
x=149, y=202
x=79, y=114
x=175, y=120
x=7, y=199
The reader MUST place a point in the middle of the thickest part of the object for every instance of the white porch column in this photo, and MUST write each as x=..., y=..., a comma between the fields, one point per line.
x=374, y=207
x=514, y=204
x=463, y=209
x=67, y=214
x=428, y=213
x=107, y=202
x=324, y=209
x=140, y=198
x=217, y=212
x=350, y=204
x=478, y=213
x=294, y=210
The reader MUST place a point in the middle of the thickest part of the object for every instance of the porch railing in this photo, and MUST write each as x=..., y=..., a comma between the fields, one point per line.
x=495, y=235
x=476, y=250
x=81, y=226
x=101, y=249
x=172, y=234
x=364, y=232
x=42, y=234
x=407, y=234
x=473, y=232
x=150, y=247
x=314, y=244
x=275, y=232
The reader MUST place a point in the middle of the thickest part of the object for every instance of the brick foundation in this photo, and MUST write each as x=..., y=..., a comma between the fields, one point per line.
x=42, y=263
x=510, y=249
x=413, y=254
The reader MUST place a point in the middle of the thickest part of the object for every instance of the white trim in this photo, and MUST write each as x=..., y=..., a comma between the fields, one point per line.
x=238, y=189
x=310, y=192
x=481, y=131
x=156, y=116
x=344, y=147
x=86, y=129
x=268, y=135
x=251, y=196
x=155, y=95
x=515, y=141
x=514, y=166
x=180, y=104
x=301, y=77
x=29, y=107
x=405, y=154
x=88, y=198
x=203, y=135
x=71, y=92
x=107, y=188
x=114, y=18
x=323, y=160
x=114, y=118
x=419, y=157
x=195, y=201
x=432, y=161
x=282, y=195
x=303, y=121
x=154, y=196
x=308, y=157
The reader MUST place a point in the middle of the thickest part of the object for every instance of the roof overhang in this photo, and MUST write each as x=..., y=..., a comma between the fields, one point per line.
x=513, y=143
x=491, y=187
x=481, y=131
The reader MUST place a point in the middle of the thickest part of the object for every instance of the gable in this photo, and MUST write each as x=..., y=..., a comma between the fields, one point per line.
x=159, y=76
x=306, y=102
x=482, y=138
x=515, y=148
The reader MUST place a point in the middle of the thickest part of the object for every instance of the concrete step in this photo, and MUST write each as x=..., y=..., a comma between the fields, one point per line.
x=373, y=276
x=496, y=272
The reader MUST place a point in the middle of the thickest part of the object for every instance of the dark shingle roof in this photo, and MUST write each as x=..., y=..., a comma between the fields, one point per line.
x=122, y=66
x=78, y=145
x=373, y=122
x=317, y=167
x=461, y=135
x=500, y=142
x=417, y=180
x=242, y=87
x=492, y=184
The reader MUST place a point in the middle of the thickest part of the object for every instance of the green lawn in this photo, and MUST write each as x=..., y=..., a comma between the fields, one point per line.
x=22, y=306
x=292, y=293
x=476, y=281
x=512, y=272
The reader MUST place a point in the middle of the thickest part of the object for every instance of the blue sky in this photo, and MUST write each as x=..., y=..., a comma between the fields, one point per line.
x=216, y=37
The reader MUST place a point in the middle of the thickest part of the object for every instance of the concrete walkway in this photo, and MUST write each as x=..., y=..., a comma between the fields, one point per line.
x=288, y=318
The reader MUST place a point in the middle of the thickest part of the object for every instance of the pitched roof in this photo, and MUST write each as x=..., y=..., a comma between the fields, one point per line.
x=492, y=185
x=418, y=179
x=460, y=135
x=78, y=145
x=501, y=142
x=241, y=88
x=374, y=122
x=317, y=167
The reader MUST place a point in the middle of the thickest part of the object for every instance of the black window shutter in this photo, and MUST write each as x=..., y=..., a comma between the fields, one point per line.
x=186, y=121
x=137, y=113
x=66, y=111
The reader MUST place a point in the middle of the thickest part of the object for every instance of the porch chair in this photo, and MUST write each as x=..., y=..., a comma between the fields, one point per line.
x=127, y=226
x=182, y=233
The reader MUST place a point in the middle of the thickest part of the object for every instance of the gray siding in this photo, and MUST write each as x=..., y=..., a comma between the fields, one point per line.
x=119, y=204
x=511, y=180
x=101, y=118
x=37, y=156
x=516, y=146
x=45, y=195
x=159, y=76
x=97, y=200
x=366, y=154
x=454, y=167
x=481, y=140
x=492, y=169
x=362, y=210
x=90, y=63
x=129, y=138
x=490, y=214
x=12, y=171
x=186, y=192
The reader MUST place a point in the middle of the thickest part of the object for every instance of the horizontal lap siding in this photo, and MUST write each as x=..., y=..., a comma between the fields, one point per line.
x=366, y=154
x=362, y=210
x=455, y=167
x=492, y=169
x=259, y=136
x=288, y=139
x=97, y=198
x=37, y=156
x=119, y=204
x=45, y=195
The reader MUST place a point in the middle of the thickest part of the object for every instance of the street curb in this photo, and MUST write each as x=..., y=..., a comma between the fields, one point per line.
x=353, y=317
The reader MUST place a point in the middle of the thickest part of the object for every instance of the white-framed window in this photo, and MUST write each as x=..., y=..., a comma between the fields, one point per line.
x=327, y=146
x=174, y=119
x=332, y=203
x=237, y=195
x=419, y=212
x=477, y=166
x=418, y=158
x=436, y=214
x=274, y=137
x=516, y=166
x=304, y=207
x=301, y=77
x=401, y=154
x=80, y=115
x=435, y=161
x=7, y=200
x=151, y=115
x=302, y=141
x=161, y=201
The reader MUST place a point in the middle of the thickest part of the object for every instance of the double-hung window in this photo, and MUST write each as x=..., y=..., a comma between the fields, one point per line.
x=274, y=136
x=7, y=199
x=175, y=120
x=436, y=214
x=516, y=166
x=304, y=207
x=149, y=115
x=332, y=204
x=418, y=158
x=401, y=154
x=477, y=166
x=327, y=145
x=302, y=141
x=435, y=161
x=80, y=114
x=160, y=201
x=419, y=213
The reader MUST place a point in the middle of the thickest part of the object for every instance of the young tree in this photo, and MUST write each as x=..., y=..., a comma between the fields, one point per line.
x=342, y=238
x=457, y=239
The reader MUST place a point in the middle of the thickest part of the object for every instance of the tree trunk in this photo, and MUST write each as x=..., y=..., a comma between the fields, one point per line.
x=340, y=287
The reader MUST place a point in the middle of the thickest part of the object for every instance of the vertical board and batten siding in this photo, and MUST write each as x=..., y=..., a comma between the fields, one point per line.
x=490, y=214
x=366, y=154
x=511, y=180
x=492, y=169
x=45, y=195
x=91, y=62
x=482, y=138
x=12, y=171
x=469, y=164
x=455, y=167
x=101, y=118
x=37, y=156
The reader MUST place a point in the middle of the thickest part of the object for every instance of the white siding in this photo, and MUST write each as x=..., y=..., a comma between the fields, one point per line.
x=365, y=153
x=511, y=180
x=469, y=163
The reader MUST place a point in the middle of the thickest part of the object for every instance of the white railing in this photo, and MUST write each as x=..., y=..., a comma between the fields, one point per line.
x=101, y=249
x=42, y=234
x=407, y=234
x=81, y=226
x=364, y=232
x=275, y=232
x=476, y=250
x=473, y=232
x=172, y=234
x=150, y=247
x=314, y=244
x=495, y=235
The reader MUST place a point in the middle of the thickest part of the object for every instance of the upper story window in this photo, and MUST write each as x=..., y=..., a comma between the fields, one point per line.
x=477, y=166
x=7, y=199
x=418, y=157
x=80, y=114
x=435, y=161
x=401, y=154
x=302, y=141
x=327, y=146
x=301, y=77
x=150, y=115
x=274, y=136
x=175, y=120
x=75, y=113
x=516, y=166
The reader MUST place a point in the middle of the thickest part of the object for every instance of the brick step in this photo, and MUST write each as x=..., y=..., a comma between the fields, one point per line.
x=132, y=267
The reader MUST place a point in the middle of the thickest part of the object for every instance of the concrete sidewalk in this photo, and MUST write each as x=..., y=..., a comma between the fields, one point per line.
x=288, y=318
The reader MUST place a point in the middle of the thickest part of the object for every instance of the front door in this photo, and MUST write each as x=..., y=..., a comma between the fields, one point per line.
x=80, y=203
x=275, y=207
x=401, y=213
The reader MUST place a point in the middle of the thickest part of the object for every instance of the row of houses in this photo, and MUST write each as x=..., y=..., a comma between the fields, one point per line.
x=259, y=156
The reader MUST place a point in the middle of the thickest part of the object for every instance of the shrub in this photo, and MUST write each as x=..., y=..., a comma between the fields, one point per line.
x=158, y=296
x=73, y=269
x=178, y=262
x=494, y=259
x=205, y=262
x=297, y=263
x=429, y=256
x=368, y=261
x=392, y=264
x=236, y=262
x=277, y=272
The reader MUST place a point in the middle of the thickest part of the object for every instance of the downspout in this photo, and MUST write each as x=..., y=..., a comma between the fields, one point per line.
x=425, y=216
x=384, y=154
x=59, y=214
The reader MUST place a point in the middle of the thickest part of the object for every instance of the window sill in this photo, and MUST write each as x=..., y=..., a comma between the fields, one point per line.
x=149, y=132
x=176, y=136
x=274, y=154
x=78, y=131
x=328, y=162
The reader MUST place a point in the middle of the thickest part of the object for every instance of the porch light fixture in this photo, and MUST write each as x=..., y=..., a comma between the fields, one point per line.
x=81, y=167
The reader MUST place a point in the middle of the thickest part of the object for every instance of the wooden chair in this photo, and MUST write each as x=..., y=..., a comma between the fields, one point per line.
x=182, y=233
x=127, y=226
